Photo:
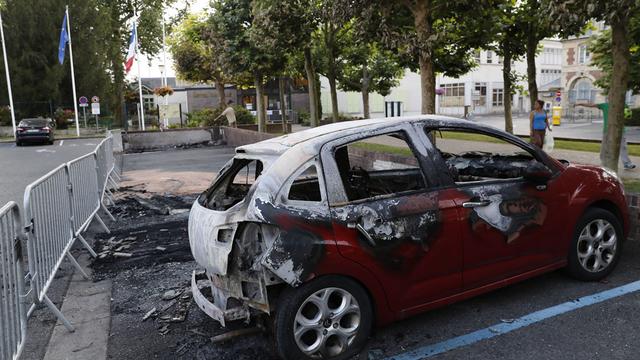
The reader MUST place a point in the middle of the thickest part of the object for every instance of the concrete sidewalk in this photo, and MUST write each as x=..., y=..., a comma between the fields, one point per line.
x=87, y=305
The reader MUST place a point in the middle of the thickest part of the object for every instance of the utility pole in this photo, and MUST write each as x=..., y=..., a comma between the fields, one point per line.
x=6, y=70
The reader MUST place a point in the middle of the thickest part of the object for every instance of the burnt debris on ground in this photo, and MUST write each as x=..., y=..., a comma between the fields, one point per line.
x=148, y=258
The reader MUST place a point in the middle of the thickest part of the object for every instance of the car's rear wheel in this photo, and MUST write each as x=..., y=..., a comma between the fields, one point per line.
x=596, y=246
x=329, y=318
x=18, y=143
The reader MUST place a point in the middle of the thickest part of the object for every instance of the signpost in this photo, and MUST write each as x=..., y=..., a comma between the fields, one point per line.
x=95, y=108
x=84, y=102
x=558, y=96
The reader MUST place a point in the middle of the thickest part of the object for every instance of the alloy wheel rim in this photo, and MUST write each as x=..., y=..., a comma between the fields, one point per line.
x=326, y=323
x=597, y=245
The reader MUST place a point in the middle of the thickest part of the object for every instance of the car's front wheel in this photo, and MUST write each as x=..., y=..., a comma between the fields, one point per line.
x=328, y=318
x=596, y=246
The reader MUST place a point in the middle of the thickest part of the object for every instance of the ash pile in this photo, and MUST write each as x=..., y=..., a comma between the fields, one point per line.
x=148, y=258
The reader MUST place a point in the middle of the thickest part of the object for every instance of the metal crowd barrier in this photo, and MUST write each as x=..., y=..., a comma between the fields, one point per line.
x=13, y=314
x=59, y=207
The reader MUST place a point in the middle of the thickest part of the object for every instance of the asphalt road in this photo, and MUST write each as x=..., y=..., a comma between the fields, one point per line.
x=19, y=166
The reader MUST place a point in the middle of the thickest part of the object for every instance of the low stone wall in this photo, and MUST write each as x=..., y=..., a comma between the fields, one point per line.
x=270, y=128
x=633, y=200
x=238, y=137
x=157, y=140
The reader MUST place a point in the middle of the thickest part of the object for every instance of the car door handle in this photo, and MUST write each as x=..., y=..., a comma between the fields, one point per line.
x=362, y=231
x=474, y=204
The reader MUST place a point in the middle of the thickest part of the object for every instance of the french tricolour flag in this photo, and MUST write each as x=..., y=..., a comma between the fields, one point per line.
x=131, y=54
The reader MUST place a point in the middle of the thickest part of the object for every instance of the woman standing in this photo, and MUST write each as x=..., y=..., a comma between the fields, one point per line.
x=539, y=123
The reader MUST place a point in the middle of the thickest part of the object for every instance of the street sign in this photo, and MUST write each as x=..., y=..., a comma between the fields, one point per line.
x=83, y=100
x=558, y=99
x=95, y=108
x=84, y=105
x=95, y=99
x=558, y=94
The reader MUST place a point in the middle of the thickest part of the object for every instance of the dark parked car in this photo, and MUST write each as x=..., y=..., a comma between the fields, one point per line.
x=336, y=229
x=35, y=130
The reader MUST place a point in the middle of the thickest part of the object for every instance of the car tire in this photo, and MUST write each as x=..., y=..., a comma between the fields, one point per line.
x=596, y=245
x=355, y=319
x=18, y=143
x=50, y=142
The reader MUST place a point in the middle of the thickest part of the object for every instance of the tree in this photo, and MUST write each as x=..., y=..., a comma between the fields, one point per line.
x=287, y=26
x=511, y=38
x=196, y=47
x=537, y=27
x=432, y=35
x=244, y=57
x=600, y=49
x=617, y=14
x=330, y=39
x=368, y=68
x=120, y=14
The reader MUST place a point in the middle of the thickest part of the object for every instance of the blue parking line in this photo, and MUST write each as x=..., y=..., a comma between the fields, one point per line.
x=505, y=327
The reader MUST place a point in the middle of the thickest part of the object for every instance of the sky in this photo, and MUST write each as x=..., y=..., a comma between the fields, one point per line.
x=152, y=68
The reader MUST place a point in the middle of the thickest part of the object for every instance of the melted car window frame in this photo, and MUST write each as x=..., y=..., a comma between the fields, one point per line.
x=429, y=130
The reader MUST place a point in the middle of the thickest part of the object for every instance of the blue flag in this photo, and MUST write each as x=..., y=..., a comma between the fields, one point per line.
x=64, y=37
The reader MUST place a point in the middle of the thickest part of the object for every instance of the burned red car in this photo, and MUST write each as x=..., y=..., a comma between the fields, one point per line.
x=338, y=229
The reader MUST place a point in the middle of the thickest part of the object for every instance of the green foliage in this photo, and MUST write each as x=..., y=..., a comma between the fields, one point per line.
x=5, y=116
x=207, y=117
x=197, y=50
x=62, y=117
x=367, y=66
x=601, y=56
x=634, y=119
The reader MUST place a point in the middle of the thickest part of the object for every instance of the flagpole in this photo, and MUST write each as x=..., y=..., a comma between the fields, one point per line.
x=73, y=76
x=6, y=70
x=139, y=75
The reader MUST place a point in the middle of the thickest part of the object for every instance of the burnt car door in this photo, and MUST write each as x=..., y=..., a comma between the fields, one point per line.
x=511, y=202
x=387, y=218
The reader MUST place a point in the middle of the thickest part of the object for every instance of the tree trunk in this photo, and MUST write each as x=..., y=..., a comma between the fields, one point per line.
x=259, y=104
x=610, y=150
x=532, y=47
x=365, y=93
x=427, y=74
x=222, y=99
x=508, y=97
x=283, y=105
x=311, y=79
x=335, y=115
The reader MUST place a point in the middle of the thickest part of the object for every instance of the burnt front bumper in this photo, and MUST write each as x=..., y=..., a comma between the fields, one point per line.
x=213, y=310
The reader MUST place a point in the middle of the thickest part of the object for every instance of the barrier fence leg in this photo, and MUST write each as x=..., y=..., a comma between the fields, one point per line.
x=109, y=196
x=77, y=266
x=87, y=246
x=106, y=229
x=104, y=208
x=58, y=314
x=113, y=183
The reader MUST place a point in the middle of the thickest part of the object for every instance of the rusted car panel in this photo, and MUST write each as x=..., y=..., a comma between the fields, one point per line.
x=440, y=236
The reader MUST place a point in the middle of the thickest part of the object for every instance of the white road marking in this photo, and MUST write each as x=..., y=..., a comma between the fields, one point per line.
x=45, y=151
x=61, y=142
x=428, y=351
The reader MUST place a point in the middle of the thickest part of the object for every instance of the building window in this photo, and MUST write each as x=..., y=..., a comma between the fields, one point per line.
x=480, y=94
x=549, y=75
x=453, y=95
x=583, y=54
x=149, y=104
x=498, y=97
x=476, y=56
x=551, y=56
x=489, y=57
x=583, y=90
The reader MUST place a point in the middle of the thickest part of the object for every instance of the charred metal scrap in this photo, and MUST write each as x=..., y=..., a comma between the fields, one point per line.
x=510, y=210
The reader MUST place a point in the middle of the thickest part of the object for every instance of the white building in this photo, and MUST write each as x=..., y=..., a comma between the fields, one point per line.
x=481, y=89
